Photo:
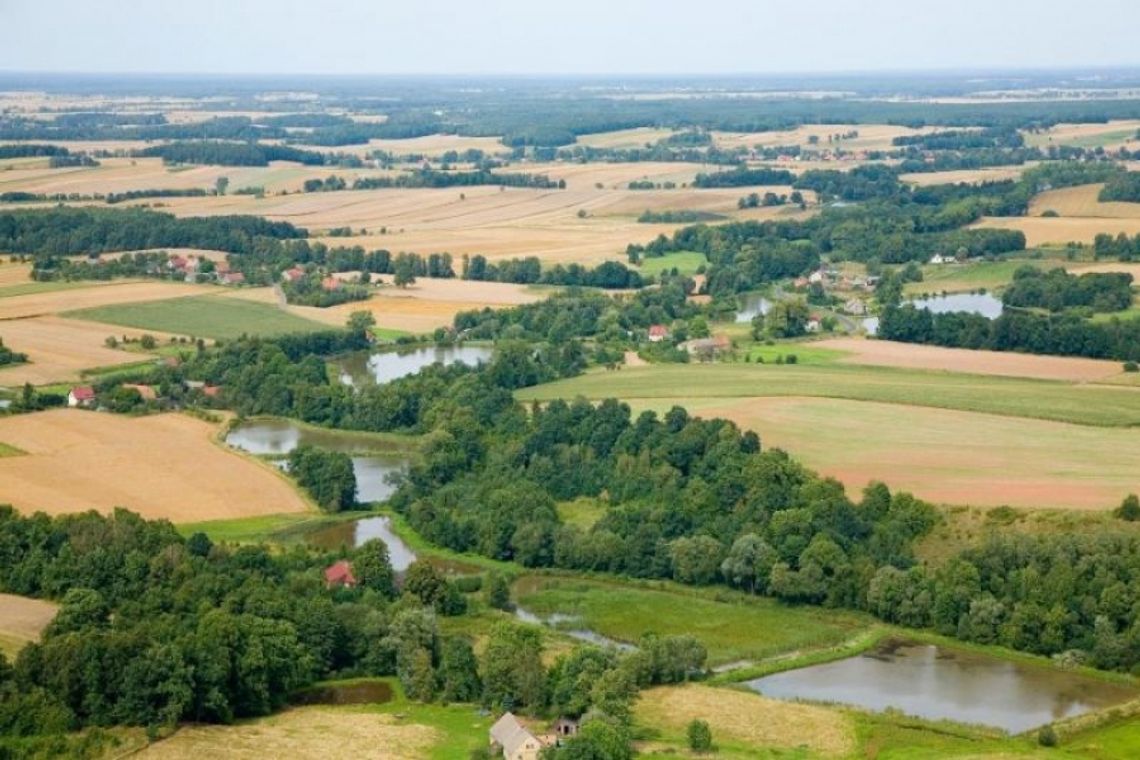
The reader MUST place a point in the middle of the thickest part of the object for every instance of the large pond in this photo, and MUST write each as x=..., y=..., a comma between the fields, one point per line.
x=937, y=683
x=385, y=366
x=353, y=534
x=973, y=303
x=752, y=305
x=276, y=437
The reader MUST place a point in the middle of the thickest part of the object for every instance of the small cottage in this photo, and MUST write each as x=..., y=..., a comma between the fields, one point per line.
x=81, y=395
x=515, y=740
x=339, y=574
x=658, y=333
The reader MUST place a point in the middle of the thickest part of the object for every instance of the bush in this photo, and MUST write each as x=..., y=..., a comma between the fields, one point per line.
x=1047, y=737
x=1129, y=509
x=700, y=736
x=1131, y=367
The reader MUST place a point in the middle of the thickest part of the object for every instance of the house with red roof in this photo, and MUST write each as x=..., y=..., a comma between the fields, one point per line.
x=331, y=283
x=339, y=574
x=232, y=278
x=81, y=395
x=294, y=274
x=658, y=333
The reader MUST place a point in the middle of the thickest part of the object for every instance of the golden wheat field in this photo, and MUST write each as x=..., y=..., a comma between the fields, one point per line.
x=739, y=716
x=1081, y=201
x=969, y=176
x=1060, y=230
x=1112, y=134
x=638, y=137
x=161, y=466
x=871, y=136
x=22, y=620
x=430, y=146
x=56, y=301
x=302, y=733
x=60, y=349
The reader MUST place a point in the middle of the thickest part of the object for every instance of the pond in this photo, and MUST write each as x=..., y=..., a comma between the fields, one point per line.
x=572, y=627
x=973, y=303
x=277, y=437
x=354, y=693
x=751, y=305
x=356, y=532
x=937, y=683
x=385, y=366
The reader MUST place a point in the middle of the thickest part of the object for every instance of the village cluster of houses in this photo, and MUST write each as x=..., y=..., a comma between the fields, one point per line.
x=297, y=274
x=84, y=396
x=518, y=742
x=190, y=268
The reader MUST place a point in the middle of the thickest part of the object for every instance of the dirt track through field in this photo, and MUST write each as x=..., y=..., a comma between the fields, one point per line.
x=161, y=466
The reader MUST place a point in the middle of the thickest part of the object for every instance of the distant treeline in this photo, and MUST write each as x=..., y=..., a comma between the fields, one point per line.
x=180, y=192
x=433, y=178
x=1058, y=290
x=741, y=176
x=1015, y=330
x=1123, y=247
x=31, y=150
x=966, y=139
x=681, y=216
x=609, y=274
x=231, y=154
x=1124, y=186
x=64, y=231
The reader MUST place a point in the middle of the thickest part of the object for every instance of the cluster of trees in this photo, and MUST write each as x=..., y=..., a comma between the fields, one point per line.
x=1057, y=290
x=609, y=274
x=683, y=216
x=65, y=231
x=328, y=476
x=311, y=290
x=32, y=150
x=863, y=183
x=1122, y=187
x=659, y=151
x=71, y=161
x=1015, y=330
x=743, y=176
x=964, y=139
x=139, y=264
x=233, y=154
x=1121, y=246
x=433, y=178
x=8, y=356
x=755, y=200
x=134, y=195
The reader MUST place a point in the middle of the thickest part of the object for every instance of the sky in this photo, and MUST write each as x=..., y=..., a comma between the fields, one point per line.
x=579, y=37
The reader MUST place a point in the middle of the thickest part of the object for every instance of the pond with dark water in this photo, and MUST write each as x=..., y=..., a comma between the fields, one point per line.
x=277, y=437
x=939, y=683
x=354, y=533
x=379, y=367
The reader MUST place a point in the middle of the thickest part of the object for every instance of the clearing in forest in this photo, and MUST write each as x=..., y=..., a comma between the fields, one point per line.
x=161, y=466
x=22, y=620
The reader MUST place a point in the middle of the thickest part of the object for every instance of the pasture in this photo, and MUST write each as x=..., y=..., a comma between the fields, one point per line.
x=733, y=626
x=944, y=456
x=22, y=620
x=213, y=316
x=1084, y=404
x=685, y=262
x=161, y=466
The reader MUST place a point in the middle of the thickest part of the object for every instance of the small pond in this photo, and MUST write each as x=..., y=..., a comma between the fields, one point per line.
x=276, y=437
x=938, y=683
x=354, y=693
x=353, y=534
x=752, y=305
x=385, y=366
x=572, y=627
x=973, y=303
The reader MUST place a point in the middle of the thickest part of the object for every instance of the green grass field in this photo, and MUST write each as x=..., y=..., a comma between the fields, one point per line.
x=686, y=262
x=30, y=287
x=582, y=512
x=738, y=628
x=990, y=275
x=1042, y=399
x=805, y=353
x=9, y=451
x=201, y=316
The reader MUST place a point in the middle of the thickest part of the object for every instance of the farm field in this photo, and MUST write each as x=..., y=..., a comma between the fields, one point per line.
x=56, y=301
x=871, y=136
x=739, y=628
x=1085, y=404
x=685, y=262
x=432, y=146
x=161, y=466
x=60, y=349
x=637, y=137
x=943, y=456
x=734, y=719
x=974, y=275
x=1040, y=231
x=1111, y=134
x=22, y=620
x=213, y=316
x=971, y=176
x=887, y=353
x=1081, y=201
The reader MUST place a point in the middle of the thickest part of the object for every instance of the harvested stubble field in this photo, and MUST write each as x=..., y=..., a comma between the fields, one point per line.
x=1111, y=134
x=971, y=176
x=22, y=620
x=885, y=353
x=102, y=294
x=944, y=456
x=1081, y=201
x=304, y=732
x=218, y=316
x=742, y=720
x=161, y=466
x=432, y=146
x=117, y=175
x=60, y=349
x=1040, y=231
x=871, y=136
x=638, y=137
x=1083, y=404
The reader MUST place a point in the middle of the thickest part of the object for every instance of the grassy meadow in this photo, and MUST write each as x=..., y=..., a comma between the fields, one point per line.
x=685, y=262
x=215, y=317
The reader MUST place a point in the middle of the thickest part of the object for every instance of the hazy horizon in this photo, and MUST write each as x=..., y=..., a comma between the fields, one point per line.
x=592, y=38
